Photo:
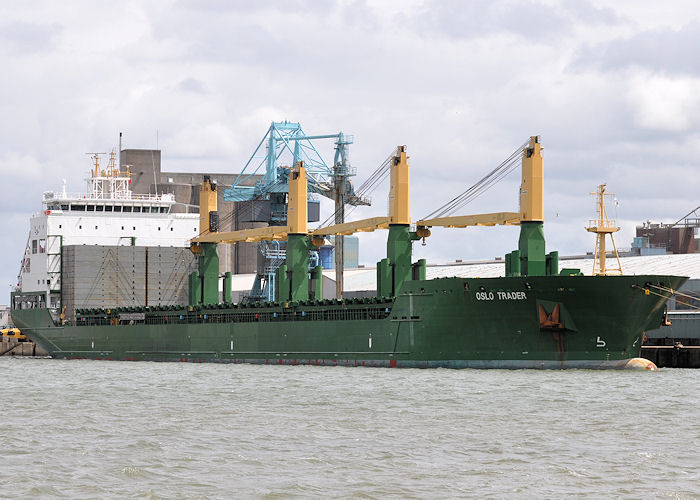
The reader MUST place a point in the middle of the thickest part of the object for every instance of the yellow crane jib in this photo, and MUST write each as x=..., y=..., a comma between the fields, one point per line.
x=246, y=235
x=490, y=219
x=358, y=226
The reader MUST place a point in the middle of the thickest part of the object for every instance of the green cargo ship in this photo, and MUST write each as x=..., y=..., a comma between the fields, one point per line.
x=533, y=317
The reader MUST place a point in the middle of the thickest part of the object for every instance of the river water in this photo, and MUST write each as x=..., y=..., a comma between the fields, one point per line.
x=108, y=429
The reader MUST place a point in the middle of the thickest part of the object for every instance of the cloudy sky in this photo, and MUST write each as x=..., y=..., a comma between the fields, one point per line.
x=613, y=88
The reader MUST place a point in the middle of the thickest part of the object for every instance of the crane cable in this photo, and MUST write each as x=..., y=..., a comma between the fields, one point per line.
x=691, y=306
x=366, y=188
x=481, y=186
x=675, y=292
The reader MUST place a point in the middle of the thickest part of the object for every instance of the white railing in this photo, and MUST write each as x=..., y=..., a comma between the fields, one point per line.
x=72, y=197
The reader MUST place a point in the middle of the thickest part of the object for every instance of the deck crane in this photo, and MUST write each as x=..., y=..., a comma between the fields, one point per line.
x=397, y=267
x=530, y=258
x=287, y=141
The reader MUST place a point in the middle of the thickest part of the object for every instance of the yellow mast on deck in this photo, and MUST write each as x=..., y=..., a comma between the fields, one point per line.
x=603, y=226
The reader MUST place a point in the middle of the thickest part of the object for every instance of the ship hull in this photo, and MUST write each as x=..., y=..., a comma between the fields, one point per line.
x=547, y=322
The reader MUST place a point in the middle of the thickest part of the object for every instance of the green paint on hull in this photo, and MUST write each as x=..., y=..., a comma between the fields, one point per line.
x=450, y=322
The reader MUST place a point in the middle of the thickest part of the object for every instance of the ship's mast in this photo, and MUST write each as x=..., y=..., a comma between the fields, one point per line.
x=603, y=226
x=109, y=183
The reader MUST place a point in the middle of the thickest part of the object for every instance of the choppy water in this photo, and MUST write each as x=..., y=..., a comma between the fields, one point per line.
x=85, y=429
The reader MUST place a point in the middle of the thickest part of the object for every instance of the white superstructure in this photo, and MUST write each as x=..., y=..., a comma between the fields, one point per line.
x=108, y=213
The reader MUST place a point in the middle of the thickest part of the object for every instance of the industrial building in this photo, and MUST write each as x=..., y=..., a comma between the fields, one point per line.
x=677, y=238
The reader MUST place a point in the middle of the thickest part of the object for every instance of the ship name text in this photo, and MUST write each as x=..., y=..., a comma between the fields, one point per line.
x=501, y=296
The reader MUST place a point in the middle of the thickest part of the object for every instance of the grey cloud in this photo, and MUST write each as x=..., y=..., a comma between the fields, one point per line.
x=242, y=40
x=530, y=20
x=29, y=37
x=225, y=38
x=192, y=85
x=586, y=13
x=247, y=6
x=358, y=14
x=667, y=50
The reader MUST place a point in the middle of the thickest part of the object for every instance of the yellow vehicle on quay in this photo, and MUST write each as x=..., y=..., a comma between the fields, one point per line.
x=13, y=333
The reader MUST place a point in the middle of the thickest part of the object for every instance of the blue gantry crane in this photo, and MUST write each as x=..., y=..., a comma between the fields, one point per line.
x=281, y=148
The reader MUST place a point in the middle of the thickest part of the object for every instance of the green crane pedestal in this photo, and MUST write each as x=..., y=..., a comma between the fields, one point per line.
x=195, y=288
x=297, y=268
x=399, y=252
x=530, y=259
x=209, y=273
x=531, y=246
